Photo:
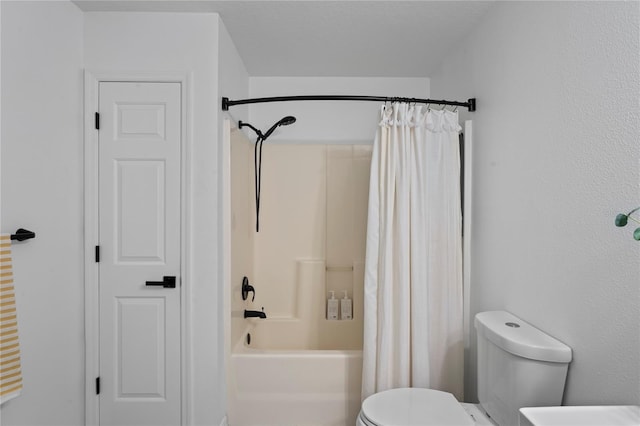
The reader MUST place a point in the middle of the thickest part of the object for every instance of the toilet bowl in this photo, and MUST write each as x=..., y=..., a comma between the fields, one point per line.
x=419, y=407
x=518, y=366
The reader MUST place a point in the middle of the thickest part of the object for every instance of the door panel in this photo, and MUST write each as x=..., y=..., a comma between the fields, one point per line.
x=140, y=121
x=139, y=232
x=139, y=226
x=141, y=343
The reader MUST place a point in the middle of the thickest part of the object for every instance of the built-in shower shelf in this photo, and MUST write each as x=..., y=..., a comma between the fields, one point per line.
x=339, y=268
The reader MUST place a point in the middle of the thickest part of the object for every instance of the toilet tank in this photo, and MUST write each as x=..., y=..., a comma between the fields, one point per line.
x=518, y=366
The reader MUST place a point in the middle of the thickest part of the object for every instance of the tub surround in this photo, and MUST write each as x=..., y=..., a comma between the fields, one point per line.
x=311, y=239
x=294, y=366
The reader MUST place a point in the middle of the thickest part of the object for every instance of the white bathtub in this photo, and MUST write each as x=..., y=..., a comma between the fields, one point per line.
x=280, y=387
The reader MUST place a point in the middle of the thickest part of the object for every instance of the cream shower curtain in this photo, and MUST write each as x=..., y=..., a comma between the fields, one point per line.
x=413, y=326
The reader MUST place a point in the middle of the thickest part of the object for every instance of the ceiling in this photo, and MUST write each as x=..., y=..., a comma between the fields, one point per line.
x=331, y=38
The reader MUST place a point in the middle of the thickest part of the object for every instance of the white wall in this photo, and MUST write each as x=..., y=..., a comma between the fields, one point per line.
x=42, y=191
x=42, y=61
x=123, y=42
x=326, y=121
x=233, y=82
x=555, y=159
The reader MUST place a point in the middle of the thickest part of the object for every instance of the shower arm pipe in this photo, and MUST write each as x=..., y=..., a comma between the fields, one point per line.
x=226, y=102
x=258, y=132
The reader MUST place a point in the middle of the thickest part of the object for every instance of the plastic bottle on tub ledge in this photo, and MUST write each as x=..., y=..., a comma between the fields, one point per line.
x=332, y=307
x=346, y=308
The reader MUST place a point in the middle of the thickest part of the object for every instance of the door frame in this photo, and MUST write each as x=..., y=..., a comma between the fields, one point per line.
x=92, y=81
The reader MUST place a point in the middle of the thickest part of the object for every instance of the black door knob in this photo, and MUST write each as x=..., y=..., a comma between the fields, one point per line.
x=167, y=282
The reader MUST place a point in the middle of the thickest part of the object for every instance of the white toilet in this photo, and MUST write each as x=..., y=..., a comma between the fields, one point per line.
x=518, y=366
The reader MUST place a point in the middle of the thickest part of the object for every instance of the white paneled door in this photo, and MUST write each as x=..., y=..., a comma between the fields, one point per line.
x=139, y=266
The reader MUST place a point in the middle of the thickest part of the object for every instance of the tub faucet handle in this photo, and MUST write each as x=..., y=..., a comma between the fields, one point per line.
x=246, y=289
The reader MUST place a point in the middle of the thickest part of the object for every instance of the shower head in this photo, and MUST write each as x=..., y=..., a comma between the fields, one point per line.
x=283, y=122
x=287, y=120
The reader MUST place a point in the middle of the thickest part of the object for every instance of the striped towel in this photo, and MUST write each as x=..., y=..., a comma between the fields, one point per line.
x=10, y=371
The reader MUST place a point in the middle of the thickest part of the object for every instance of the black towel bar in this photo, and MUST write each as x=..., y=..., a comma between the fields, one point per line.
x=23, y=234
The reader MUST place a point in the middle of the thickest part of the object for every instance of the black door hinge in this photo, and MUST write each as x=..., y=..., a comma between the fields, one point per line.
x=97, y=385
x=97, y=121
x=97, y=254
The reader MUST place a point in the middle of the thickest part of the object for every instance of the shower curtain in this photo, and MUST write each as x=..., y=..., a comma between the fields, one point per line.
x=413, y=326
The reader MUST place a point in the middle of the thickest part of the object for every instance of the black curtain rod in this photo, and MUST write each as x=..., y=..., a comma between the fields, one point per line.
x=226, y=102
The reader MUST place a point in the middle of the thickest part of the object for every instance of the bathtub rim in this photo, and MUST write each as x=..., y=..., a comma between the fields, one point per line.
x=241, y=348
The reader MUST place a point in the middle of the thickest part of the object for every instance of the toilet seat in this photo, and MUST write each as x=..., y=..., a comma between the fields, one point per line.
x=413, y=407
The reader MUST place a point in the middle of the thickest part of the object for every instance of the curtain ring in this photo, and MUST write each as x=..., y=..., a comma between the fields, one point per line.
x=455, y=109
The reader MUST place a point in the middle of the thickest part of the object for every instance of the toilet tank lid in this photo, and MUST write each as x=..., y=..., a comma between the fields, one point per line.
x=520, y=338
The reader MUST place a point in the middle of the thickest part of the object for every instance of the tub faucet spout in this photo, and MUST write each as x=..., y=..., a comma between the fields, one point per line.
x=255, y=314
